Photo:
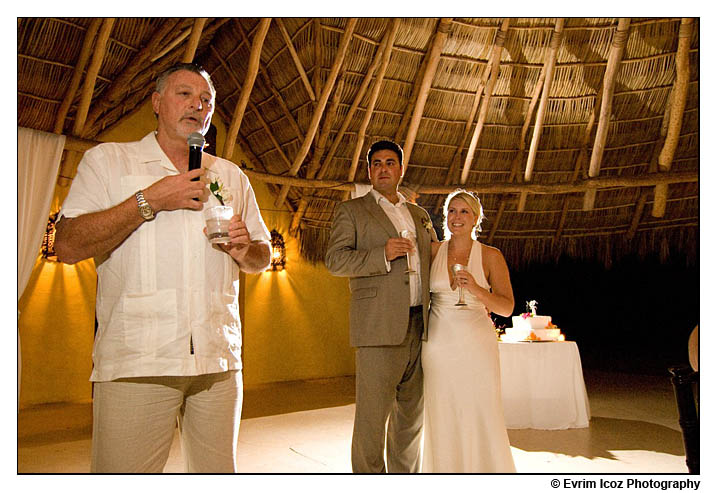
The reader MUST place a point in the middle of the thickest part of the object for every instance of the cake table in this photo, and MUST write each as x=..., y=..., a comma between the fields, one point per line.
x=542, y=385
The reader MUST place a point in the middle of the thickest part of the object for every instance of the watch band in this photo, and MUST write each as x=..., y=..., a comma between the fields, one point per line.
x=145, y=208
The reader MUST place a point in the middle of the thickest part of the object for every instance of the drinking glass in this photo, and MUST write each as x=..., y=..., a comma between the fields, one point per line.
x=405, y=233
x=217, y=220
x=456, y=268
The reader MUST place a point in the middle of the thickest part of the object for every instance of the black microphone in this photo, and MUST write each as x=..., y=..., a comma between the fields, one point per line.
x=196, y=144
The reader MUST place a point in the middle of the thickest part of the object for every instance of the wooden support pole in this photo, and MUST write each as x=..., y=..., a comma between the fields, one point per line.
x=488, y=91
x=321, y=105
x=433, y=62
x=252, y=69
x=267, y=81
x=679, y=95
x=638, y=213
x=120, y=86
x=497, y=220
x=372, y=100
x=193, y=40
x=562, y=220
x=378, y=56
x=618, y=44
x=295, y=58
x=77, y=75
x=541, y=112
x=88, y=88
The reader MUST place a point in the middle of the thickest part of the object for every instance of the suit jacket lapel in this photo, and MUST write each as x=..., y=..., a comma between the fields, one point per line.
x=378, y=213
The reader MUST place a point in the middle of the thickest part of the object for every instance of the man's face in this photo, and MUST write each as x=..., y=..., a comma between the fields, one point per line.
x=185, y=105
x=385, y=171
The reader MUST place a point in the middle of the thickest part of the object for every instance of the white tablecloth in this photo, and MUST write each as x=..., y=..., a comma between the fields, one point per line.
x=542, y=385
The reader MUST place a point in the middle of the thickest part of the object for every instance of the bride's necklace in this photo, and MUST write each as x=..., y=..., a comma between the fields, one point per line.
x=458, y=256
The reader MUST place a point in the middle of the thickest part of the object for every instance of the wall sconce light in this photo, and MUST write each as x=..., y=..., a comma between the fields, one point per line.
x=47, y=250
x=279, y=251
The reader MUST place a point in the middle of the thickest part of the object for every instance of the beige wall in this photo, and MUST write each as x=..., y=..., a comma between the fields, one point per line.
x=295, y=322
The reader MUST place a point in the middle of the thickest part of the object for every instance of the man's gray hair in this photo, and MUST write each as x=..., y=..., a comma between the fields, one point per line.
x=190, y=67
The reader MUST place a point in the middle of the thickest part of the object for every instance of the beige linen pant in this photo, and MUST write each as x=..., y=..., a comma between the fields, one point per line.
x=134, y=421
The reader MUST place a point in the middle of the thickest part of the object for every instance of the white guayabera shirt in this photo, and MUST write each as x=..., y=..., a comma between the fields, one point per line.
x=167, y=300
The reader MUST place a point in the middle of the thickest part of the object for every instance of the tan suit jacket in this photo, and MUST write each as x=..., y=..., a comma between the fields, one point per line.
x=379, y=312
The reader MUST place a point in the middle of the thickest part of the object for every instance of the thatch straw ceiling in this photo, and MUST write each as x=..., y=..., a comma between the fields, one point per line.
x=579, y=134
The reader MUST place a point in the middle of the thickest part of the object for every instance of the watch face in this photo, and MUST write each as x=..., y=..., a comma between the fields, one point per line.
x=146, y=212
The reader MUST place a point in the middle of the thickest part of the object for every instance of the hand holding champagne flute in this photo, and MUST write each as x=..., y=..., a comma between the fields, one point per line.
x=455, y=269
x=405, y=233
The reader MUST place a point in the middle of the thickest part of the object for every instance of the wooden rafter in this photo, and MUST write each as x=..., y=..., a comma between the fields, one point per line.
x=677, y=102
x=515, y=165
x=268, y=82
x=372, y=99
x=637, y=214
x=81, y=145
x=313, y=167
x=88, y=87
x=497, y=220
x=252, y=69
x=615, y=56
x=431, y=65
x=317, y=74
x=295, y=59
x=193, y=40
x=119, y=87
x=562, y=219
x=321, y=105
x=77, y=74
x=488, y=91
x=355, y=104
x=550, y=64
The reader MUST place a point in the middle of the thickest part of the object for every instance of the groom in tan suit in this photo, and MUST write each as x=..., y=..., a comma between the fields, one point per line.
x=389, y=312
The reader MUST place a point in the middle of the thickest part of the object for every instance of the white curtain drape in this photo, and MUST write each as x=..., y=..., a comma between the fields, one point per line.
x=38, y=159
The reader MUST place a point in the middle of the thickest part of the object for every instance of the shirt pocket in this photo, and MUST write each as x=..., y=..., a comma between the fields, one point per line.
x=224, y=322
x=150, y=320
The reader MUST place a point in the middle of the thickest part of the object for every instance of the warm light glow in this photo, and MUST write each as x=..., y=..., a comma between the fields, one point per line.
x=561, y=337
x=279, y=252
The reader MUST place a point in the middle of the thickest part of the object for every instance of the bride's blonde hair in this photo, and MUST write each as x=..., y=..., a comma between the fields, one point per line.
x=474, y=204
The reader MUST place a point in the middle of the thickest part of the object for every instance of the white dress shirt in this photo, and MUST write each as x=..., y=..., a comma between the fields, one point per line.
x=400, y=217
x=165, y=284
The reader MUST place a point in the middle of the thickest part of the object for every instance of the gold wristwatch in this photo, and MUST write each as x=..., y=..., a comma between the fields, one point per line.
x=145, y=209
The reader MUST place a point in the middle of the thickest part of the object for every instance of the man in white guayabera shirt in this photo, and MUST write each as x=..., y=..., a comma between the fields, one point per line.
x=168, y=345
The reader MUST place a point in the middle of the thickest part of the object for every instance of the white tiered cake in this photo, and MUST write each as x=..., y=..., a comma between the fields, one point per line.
x=531, y=327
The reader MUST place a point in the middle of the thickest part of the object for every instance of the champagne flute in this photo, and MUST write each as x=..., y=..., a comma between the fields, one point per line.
x=405, y=233
x=456, y=268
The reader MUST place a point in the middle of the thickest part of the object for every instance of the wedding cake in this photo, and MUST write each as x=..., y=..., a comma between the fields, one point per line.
x=532, y=327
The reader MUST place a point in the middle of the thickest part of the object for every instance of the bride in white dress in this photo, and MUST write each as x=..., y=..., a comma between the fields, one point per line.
x=464, y=428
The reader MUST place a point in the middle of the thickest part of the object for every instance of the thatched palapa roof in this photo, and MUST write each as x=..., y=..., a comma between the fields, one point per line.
x=580, y=135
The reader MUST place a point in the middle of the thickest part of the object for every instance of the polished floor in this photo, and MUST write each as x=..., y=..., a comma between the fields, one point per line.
x=305, y=427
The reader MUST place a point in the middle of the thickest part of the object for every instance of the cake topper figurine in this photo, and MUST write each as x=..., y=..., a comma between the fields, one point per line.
x=531, y=306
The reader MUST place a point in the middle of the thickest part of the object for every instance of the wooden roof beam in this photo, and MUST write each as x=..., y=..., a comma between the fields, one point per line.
x=355, y=104
x=313, y=166
x=638, y=213
x=497, y=220
x=88, y=88
x=488, y=91
x=112, y=95
x=361, y=133
x=268, y=82
x=620, y=37
x=250, y=76
x=321, y=105
x=431, y=65
x=550, y=64
x=77, y=74
x=580, y=186
x=295, y=59
x=677, y=102
x=193, y=40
